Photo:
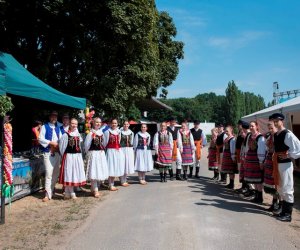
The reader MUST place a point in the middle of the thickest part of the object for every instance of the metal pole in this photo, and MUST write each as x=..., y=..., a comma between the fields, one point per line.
x=2, y=217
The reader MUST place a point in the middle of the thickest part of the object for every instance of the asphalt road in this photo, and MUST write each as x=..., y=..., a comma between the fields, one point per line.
x=197, y=214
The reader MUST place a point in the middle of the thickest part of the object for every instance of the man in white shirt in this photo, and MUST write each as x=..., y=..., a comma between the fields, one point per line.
x=48, y=138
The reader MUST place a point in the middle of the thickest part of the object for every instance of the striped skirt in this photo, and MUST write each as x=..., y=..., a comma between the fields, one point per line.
x=212, y=159
x=268, y=172
x=187, y=155
x=228, y=165
x=241, y=171
x=253, y=173
x=164, y=158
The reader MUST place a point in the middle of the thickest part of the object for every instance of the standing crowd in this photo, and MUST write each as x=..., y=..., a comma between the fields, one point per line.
x=263, y=162
x=111, y=152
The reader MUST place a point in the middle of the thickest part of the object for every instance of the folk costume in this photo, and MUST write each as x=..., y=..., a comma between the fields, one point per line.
x=176, y=156
x=229, y=165
x=255, y=155
x=200, y=141
x=51, y=157
x=187, y=148
x=143, y=155
x=126, y=142
x=97, y=169
x=163, y=144
x=212, y=158
x=114, y=155
x=219, y=144
x=286, y=147
x=72, y=167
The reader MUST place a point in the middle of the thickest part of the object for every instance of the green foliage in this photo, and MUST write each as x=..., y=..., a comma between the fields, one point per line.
x=112, y=52
x=5, y=105
x=210, y=107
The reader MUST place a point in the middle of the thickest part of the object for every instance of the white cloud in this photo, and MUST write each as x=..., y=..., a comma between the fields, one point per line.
x=240, y=41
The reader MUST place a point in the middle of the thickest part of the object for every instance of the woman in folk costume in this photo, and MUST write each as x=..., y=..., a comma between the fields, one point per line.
x=143, y=154
x=229, y=165
x=269, y=185
x=94, y=145
x=127, y=148
x=212, y=154
x=163, y=144
x=114, y=154
x=72, y=168
x=254, y=158
x=187, y=147
x=219, y=142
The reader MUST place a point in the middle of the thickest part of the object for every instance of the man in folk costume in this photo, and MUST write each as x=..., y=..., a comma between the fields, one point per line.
x=65, y=124
x=200, y=141
x=72, y=167
x=48, y=139
x=219, y=143
x=187, y=147
x=286, y=147
x=176, y=156
x=229, y=165
x=212, y=154
x=163, y=144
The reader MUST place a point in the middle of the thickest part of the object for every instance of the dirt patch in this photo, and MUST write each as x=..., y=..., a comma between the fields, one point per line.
x=32, y=224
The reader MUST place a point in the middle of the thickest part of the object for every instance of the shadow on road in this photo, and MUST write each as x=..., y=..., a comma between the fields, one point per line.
x=220, y=197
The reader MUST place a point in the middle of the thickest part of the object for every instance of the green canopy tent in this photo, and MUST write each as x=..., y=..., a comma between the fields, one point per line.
x=16, y=80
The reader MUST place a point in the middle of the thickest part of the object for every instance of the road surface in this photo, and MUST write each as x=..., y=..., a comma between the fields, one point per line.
x=197, y=214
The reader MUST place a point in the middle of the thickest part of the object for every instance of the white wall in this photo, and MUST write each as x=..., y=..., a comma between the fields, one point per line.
x=205, y=126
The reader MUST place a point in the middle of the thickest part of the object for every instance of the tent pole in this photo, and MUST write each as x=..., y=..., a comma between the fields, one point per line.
x=2, y=217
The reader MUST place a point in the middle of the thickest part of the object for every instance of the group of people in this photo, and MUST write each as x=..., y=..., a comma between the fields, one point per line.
x=112, y=152
x=264, y=162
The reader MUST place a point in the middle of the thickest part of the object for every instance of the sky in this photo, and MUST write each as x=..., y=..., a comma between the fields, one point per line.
x=253, y=42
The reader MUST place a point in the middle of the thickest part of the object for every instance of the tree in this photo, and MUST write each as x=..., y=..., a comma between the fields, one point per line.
x=232, y=104
x=112, y=52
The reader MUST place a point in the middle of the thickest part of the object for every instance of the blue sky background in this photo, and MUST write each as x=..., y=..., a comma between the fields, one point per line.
x=253, y=42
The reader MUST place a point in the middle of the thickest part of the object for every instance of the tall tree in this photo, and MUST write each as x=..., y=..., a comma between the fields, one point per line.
x=232, y=103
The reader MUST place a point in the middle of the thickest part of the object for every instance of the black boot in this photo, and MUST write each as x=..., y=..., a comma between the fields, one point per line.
x=277, y=209
x=161, y=177
x=216, y=175
x=191, y=172
x=178, y=175
x=171, y=174
x=230, y=185
x=271, y=208
x=223, y=178
x=243, y=189
x=185, y=175
x=258, y=197
x=287, y=210
x=165, y=177
x=197, y=173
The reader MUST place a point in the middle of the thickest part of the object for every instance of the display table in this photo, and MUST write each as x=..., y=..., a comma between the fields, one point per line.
x=28, y=176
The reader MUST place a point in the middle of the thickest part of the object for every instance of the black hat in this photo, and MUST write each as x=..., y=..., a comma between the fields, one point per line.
x=197, y=122
x=270, y=117
x=277, y=116
x=172, y=119
x=240, y=122
x=245, y=125
x=53, y=113
x=219, y=125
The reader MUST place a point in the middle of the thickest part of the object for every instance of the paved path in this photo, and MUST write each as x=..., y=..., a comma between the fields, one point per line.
x=198, y=214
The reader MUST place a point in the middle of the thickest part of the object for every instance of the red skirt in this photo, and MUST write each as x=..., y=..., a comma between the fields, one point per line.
x=253, y=173
x=164, y=155
x=212, y=159
x=228, y=165
x=268, y=172
x=187, y=155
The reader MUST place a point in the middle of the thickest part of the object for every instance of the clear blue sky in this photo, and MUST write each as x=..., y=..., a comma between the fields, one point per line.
x=253, y=42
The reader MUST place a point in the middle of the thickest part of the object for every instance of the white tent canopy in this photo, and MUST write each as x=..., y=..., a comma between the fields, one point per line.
x=290, y=108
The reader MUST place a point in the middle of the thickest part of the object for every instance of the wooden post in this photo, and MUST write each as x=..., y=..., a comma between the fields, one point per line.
x=2, y=217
